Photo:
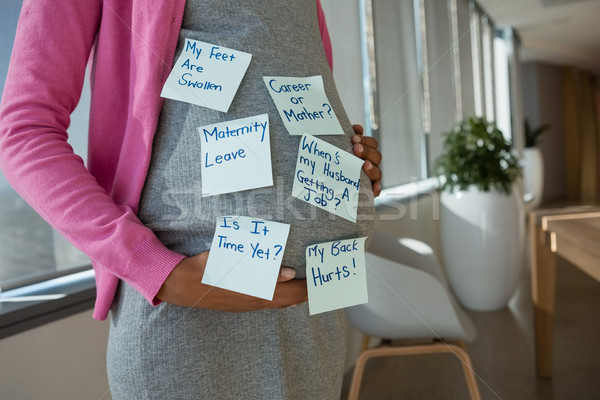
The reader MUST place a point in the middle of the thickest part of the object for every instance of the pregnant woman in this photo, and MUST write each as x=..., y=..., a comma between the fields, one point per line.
x=137, y=209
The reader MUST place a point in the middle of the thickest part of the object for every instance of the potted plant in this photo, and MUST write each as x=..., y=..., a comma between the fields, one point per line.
x=533, y=166
x=481, y=214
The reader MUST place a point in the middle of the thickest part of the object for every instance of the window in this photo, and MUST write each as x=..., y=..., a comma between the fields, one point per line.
x=30, y=250
x=398, y=93
x=430, y=63
x=508, y=95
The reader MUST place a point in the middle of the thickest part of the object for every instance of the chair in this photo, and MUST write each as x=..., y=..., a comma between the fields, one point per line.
x=409, y=298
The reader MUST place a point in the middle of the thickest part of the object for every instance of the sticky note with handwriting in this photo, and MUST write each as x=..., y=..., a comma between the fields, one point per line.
x=327, y=177
x=245, y=255
x=236, y=155
x=335, y=275
x=303, y=105
x=206, y=75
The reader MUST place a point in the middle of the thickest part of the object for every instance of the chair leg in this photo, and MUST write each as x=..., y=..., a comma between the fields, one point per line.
x=365, y=343
x=461, y=353
x=386, y=351
x=359, y=368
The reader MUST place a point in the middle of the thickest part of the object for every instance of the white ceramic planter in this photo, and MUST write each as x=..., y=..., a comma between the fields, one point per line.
x=482, y=239
x=533, y=176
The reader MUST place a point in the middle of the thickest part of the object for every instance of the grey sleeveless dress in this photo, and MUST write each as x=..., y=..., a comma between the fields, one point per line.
x=171, y=352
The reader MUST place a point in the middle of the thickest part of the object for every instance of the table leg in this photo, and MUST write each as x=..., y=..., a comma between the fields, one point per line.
x=543, y=290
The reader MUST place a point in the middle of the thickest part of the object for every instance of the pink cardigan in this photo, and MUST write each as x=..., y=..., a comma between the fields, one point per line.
x=133, y=45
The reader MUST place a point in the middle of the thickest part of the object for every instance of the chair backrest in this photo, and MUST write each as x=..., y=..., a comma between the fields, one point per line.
x=408, y=295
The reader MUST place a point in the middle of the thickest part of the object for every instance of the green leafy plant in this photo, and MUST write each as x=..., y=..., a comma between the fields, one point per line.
x=476, y=153
x=532, y=135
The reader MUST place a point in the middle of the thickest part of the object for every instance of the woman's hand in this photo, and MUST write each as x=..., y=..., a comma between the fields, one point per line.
x=365, y=147
x=184, y=287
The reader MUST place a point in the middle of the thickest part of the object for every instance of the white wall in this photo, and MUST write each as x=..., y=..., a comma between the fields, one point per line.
x=65, y=359
x=343, y=24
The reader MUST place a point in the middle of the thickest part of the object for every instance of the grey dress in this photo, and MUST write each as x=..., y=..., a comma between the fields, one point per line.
x=171, y=352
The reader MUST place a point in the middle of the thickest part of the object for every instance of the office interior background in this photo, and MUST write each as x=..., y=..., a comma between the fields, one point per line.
x=408, y=71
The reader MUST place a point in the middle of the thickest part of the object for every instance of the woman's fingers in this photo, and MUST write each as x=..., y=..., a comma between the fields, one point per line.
x=184, y=287
x=366, y=147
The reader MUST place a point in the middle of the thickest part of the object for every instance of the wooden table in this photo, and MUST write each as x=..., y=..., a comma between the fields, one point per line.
x=574, y=234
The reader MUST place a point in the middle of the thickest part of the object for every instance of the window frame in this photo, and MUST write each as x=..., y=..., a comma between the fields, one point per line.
x=472, y=32
x=34, y=305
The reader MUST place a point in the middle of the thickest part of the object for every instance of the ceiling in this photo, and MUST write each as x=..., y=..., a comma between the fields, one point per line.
x=561, y=32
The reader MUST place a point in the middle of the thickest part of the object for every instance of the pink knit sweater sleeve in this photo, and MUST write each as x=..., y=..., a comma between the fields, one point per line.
x=325, y=34
x=43, y=86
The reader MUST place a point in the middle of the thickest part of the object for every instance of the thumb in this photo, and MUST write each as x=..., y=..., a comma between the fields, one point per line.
x=286, y=274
